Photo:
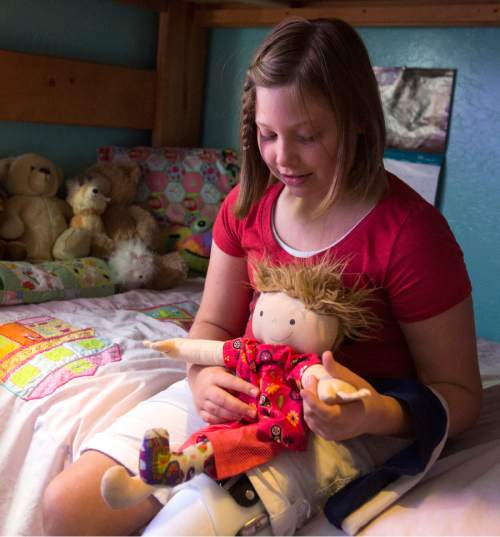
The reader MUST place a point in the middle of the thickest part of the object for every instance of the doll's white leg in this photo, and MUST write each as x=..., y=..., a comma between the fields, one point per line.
x=119, y=489
x=202, y=507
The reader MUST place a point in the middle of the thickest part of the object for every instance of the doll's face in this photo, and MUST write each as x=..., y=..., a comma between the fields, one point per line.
x=280, y=319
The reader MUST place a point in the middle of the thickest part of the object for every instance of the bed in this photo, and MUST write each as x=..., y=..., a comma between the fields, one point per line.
x=96, y=368
x=87, y=362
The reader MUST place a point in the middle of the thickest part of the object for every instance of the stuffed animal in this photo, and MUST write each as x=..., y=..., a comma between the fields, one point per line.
x=88, y=203
x=132, y=264
x=3, y=197
x=3, y=244
x=9, y=250
x=193, y=243
x=34, y=215
x=302, y=310
x=125, y=221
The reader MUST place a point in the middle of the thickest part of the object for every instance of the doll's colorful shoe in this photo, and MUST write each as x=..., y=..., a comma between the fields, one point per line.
x=155, y=464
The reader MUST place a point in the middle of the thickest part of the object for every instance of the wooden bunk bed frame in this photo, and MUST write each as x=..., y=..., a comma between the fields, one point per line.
x=38, y=88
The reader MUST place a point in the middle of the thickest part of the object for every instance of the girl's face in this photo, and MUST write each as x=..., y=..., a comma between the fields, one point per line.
x=297, y=139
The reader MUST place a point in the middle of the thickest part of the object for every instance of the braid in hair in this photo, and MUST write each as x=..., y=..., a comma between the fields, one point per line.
x=247, y=129
x=254, y=174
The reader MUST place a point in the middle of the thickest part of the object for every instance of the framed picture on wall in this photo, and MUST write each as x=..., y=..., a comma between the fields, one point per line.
x=417, y=106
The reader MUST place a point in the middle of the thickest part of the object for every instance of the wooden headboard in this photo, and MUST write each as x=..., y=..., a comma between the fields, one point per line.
x=39, y=88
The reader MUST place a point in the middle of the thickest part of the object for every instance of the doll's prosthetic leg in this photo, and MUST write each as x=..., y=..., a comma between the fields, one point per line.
x=158, y=466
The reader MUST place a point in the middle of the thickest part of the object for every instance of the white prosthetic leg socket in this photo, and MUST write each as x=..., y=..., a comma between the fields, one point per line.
x=203, y=507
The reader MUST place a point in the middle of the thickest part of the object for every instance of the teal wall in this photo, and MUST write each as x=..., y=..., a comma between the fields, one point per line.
x=104, y=31
x=109, y=32
x=470, y=189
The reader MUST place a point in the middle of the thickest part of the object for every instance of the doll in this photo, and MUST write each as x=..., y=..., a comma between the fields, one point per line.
x=302, y=310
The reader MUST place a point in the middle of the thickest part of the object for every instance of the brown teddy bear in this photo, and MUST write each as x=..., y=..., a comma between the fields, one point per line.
x=124, y=222
x=3, y=244
x=34, y=216
x=9, y=250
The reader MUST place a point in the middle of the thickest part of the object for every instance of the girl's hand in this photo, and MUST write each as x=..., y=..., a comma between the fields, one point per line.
x=213, y=401
x=376, y=414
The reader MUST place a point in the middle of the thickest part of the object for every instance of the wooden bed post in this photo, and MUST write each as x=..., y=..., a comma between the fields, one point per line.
x=180, y=77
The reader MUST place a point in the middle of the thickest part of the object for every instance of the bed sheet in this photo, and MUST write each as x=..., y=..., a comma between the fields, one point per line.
x=86, y=365
x=45, y=417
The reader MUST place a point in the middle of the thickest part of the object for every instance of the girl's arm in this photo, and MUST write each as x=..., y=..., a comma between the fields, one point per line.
x=444, y=351
x=223, y=311
x=222, y=315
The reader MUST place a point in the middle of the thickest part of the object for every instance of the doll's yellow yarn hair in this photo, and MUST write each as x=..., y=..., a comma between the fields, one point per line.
x=321, y=289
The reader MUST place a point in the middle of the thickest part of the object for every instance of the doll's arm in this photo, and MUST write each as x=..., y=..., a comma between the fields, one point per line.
x=194, y=351
x=332, y=390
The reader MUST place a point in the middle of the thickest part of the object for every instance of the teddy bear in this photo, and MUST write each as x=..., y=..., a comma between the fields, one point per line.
x=3, y=244
x=9, y=250
x=88, y=203
x=34, y=216
x=125, y=223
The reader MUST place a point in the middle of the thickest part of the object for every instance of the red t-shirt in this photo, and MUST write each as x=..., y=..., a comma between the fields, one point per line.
x=403, y=248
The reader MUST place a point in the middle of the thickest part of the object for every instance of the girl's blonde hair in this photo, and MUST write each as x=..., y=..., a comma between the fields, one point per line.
x=321, y=289
x=325, y=58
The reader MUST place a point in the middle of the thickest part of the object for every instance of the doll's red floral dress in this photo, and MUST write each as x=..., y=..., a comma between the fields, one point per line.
x=279, y=423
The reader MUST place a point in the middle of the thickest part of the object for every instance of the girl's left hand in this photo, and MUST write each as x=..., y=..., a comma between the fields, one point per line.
x=375, y=414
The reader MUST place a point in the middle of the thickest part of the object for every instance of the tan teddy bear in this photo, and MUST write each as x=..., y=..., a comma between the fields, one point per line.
x=125, y=222
x=34, y=216
x=88, y=203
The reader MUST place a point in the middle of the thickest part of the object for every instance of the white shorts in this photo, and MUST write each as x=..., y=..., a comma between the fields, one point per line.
x=172, y=409
x=198, y=507
x=292, y=487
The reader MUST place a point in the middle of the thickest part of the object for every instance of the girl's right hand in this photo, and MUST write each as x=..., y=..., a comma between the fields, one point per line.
x=210, y=387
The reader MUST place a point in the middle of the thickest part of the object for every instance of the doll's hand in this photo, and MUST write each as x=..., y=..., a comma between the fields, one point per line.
x=211, y=386
x=168, y=346
x=377, y=414
x=332, y=390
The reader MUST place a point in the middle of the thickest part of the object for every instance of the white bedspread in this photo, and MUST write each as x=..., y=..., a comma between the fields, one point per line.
x=41, y=430
x=38, y=437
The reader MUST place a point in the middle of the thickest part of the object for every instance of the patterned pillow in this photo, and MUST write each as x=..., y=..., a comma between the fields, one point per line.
x=24, y=283
x=180, y=186
x=183, y=189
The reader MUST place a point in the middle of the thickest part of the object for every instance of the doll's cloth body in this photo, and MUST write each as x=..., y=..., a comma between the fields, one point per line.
x=279, y=423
